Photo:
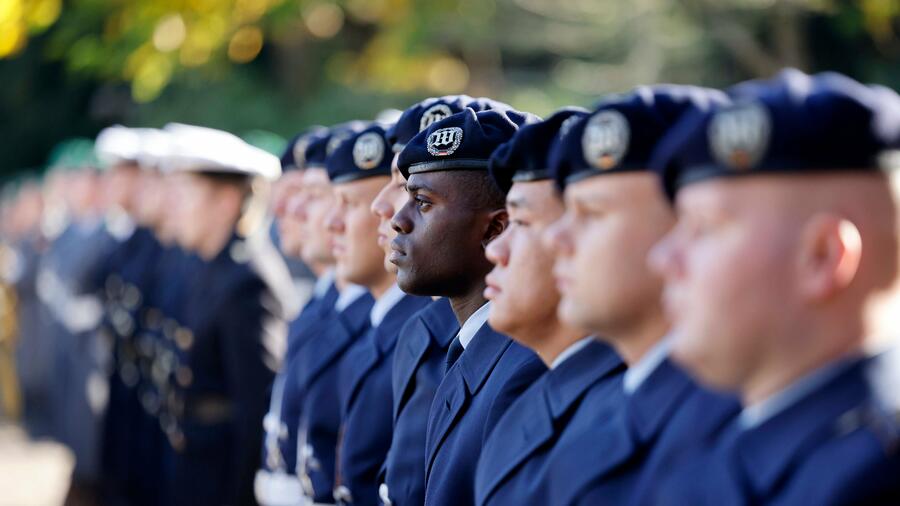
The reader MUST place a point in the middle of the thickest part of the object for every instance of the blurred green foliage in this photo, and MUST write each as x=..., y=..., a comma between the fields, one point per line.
x=70, y=68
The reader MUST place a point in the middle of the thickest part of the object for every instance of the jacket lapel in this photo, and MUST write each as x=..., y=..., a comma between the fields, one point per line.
x=447, y=407
x=325, y=348
x=362, y=358
x=531, y=427
x=462, y=382
x=436, y=326
x=379, y=342
x=568, y=383
x=483, y=354
x=653, y=403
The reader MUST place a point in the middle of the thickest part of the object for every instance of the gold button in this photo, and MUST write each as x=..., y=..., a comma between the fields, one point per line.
x=184, y=338
x=184, y=376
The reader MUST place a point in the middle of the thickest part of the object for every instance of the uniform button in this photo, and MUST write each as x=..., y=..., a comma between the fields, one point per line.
x=169, y=327
x=129, y=374
x=132, y=297
x=153, y=318
x=177, y=440
x=184, y=338
x=184, y=376
x=113, y=286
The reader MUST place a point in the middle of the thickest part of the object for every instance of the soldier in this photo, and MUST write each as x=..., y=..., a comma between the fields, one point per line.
x=358, y=169
x=69, y=286
x=132, y=276
x=782, y=269
x=614, y=215
x=234, y=330
x=314, y=384
x=426, y=337
x=276, y=483
x=34, y=350
x=515, y=461
x=454, y=211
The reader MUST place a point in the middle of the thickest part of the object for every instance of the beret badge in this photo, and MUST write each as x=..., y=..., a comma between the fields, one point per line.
x=444, y=141
x=605, y=139
x=368, y=151
x=434, y=114
x=739, y=136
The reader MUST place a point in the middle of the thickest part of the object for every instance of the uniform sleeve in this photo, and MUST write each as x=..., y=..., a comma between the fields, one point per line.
x=250, y=333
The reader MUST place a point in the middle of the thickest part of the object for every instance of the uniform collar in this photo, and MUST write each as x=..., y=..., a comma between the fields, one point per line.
x=473, y=325
x=476, y=363
x=323, y=283
x=638, y=373
x=586, y=366
x=653, y=403
x=768, y=451
x=571, y=350
x=755, y=415
x=385, y=303
x=441, y=322
x=348, y=296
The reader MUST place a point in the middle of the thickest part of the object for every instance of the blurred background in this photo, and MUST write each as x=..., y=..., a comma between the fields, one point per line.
x=69, y=68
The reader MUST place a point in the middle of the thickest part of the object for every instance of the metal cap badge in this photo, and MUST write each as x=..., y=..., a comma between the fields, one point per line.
x=739, y=135
x=605, y=139
x=368, y=151
x=445, y=141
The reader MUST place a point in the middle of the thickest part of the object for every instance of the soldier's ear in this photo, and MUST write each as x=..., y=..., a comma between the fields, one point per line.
x=497, y=222
x=831, y=250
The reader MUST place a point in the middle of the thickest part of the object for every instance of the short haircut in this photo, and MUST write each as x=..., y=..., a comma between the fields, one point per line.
x=481, y=189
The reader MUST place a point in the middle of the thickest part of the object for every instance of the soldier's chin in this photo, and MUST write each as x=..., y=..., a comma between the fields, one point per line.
x=695, y=358
x=414, y=283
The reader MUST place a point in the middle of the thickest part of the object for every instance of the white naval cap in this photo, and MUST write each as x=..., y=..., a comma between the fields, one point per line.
x=117, y=144
x=155, y=148
x=201, y=149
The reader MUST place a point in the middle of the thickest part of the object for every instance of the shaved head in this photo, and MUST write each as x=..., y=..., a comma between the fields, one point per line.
x=780, y=273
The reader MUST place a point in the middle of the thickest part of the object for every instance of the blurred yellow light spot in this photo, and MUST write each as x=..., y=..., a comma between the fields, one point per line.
x=245, y=44
x=12, y=39
x=192, y=55
x=248, y=11
x=10, y=11
x=202, y=6
x=324, y=20
x=151, y=78
x=169, y=33
x=370, y=11
x=448, y=75
x=43, y=13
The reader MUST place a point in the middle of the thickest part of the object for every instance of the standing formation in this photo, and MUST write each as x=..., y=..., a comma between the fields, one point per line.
x=678, y=296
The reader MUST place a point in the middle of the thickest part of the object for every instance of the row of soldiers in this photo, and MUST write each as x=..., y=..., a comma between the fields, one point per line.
x=680, y=296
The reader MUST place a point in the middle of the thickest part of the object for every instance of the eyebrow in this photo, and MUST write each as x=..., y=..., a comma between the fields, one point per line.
x=418, y=187
x=517, y=203
x=593, y=200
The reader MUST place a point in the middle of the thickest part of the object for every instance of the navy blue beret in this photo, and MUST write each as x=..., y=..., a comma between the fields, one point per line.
x=421, y=115
x=793, y=123
x=323, y=143
x=294, y=156
x=621, y=134
x=363, y=154
x=463, y=141
x=525, y=157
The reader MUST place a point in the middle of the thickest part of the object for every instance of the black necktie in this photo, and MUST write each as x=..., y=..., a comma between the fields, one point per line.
x=456, y=349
